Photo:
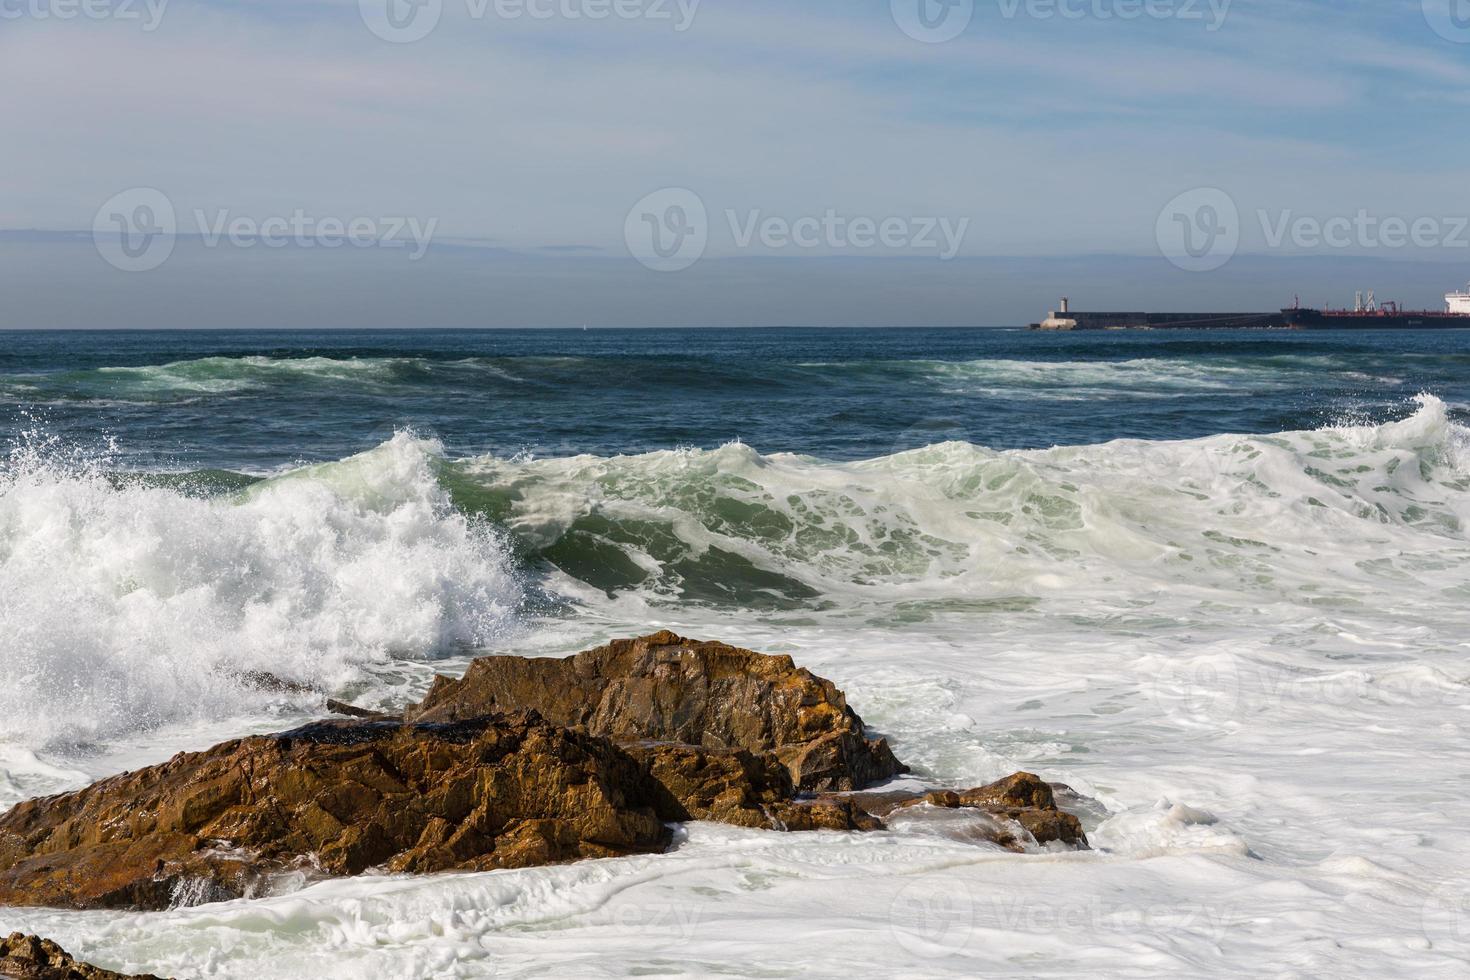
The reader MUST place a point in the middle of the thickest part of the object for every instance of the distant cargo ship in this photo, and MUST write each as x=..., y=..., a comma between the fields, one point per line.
x=1367, y=314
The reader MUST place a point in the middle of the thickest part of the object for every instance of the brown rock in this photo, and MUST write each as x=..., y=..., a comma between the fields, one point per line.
x=668, y=689
x=736, y=787
x=1022, y=798
x=332, y=798
x=353, y=711
x=1022, y=789
x=25, y=957
x=822, y=813
x=727, y=785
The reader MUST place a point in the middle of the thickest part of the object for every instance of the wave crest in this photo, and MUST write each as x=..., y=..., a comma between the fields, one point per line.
x=965, y=524
x=128, y=605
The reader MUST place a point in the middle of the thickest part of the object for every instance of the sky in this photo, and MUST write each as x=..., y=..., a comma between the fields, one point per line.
x=714, y=162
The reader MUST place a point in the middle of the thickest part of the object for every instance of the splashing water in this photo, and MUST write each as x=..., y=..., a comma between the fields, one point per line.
x=127, y=606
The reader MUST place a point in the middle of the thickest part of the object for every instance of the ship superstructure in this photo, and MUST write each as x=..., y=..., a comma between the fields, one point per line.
x=1458, y=302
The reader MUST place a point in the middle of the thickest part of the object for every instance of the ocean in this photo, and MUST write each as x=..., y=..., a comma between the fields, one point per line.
x=1218, y=583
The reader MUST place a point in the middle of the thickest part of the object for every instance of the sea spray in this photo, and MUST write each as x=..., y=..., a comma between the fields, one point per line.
x=127, y=606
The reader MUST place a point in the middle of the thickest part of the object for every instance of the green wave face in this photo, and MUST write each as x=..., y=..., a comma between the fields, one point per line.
x=956, y=525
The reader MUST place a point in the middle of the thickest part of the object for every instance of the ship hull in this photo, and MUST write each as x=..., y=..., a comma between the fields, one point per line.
x=1305, y=319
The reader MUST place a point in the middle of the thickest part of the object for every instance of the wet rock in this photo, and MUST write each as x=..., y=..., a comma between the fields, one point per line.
x=347, y=710
x=738, y=787
x=727, y=785
x=669, y=689
x=333, y=798
x=822, y=813
x=1021, y=800
x=25, y=957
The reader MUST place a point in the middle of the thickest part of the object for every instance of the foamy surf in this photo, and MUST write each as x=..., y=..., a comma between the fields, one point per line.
x=129, y=606
x=1246, y=653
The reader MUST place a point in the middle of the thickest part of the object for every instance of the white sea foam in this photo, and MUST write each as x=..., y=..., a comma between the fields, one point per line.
x=1250, y=652
x=129, y=607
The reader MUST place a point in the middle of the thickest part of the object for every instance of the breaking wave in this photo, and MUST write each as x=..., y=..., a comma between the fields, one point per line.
x=129, y=605
x=1262, y=516
x=132, y=602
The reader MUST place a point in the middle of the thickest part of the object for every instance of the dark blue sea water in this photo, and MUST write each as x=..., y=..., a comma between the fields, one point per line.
x=262, y=400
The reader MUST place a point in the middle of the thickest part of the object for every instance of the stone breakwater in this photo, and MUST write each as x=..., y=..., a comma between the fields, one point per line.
x=519, y=763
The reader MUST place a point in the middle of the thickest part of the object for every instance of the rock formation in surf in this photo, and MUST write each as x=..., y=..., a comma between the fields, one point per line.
x=333, y=798
x=521, y=763
x=1022, y=799
x=665, y=688
x=25, y=957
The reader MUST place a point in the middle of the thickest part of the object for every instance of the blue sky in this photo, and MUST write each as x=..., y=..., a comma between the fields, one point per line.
x=1049, y=135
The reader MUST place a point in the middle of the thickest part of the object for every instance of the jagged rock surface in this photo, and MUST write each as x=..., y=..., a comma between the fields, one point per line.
x=25, y=957
x=669, y=689
x=333, y=798
x=737, y=787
